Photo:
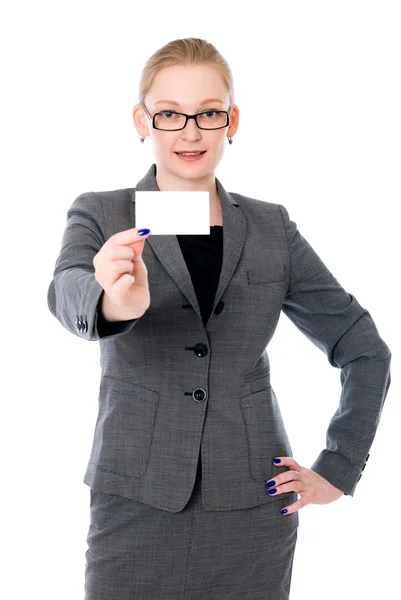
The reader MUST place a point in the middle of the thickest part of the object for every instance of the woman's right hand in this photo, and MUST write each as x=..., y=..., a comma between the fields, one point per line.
x=118, y=259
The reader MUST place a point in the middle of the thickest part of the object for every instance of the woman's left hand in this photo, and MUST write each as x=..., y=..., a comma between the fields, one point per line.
x=313, y=488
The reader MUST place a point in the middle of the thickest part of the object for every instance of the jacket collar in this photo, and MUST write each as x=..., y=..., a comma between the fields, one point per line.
x=169, y=252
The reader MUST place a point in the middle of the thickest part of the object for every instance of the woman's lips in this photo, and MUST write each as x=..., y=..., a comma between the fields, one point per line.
x=191, y=158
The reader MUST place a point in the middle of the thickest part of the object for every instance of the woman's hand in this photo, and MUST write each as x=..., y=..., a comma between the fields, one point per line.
x=117, y=261
x=313, y=488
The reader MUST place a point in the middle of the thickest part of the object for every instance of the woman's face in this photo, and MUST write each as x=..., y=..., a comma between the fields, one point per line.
x=184, y=88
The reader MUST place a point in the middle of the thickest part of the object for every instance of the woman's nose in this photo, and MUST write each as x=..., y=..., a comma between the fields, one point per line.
x=191, y=128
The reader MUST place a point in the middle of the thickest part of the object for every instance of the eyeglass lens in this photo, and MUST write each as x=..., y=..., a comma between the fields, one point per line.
x=211, y=119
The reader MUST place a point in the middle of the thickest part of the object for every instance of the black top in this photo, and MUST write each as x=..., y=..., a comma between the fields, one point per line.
x=203, y=255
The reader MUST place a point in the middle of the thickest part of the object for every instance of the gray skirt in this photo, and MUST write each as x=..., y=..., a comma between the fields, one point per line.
x=138, y=552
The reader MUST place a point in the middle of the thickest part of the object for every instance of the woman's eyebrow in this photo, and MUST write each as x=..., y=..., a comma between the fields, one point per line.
x=200, y=104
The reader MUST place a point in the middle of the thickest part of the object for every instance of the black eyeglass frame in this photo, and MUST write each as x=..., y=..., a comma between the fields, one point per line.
x=186, y=119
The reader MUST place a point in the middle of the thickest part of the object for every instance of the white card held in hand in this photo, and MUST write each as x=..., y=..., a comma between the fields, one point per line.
x=173, y=213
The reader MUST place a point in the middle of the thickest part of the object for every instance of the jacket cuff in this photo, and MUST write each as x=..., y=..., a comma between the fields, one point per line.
x=338, y=471
x=105, y=329
x=73, y=298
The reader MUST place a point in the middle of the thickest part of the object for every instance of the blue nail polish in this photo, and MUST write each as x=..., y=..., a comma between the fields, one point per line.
x=272, y=491
x=276, y=460
x=143, y=231
x=270, y=483
x=283, y=511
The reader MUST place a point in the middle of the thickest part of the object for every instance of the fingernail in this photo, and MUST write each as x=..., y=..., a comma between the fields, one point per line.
x=276, y=460
x=143, y=231
x=271, y=491
x=283, y=511
x=270, y=483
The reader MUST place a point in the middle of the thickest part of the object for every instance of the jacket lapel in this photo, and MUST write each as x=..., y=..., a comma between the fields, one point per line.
x=169, y=252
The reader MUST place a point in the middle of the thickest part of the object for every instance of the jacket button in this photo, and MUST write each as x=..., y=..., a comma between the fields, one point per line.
x=363, y=466
x=81, y=324
x=199, y=395
x=200, y=349
x=359, y=476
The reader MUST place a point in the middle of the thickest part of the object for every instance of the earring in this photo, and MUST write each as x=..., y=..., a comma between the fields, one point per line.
x=142, y=139
x=230, y=140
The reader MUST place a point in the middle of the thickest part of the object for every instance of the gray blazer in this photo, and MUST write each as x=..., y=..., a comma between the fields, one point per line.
x=171, y=387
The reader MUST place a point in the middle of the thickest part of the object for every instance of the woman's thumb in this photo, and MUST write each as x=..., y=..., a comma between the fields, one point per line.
x=137, y=247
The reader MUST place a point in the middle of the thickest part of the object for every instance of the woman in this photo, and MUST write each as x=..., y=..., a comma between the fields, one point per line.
x=194, y=490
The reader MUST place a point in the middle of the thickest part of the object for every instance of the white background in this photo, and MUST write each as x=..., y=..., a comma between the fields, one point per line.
x=318, y=88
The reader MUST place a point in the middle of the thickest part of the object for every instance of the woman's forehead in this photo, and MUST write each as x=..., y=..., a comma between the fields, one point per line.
x=189, y=90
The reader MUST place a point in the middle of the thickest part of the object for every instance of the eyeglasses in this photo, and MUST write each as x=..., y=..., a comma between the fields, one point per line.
x=169, y=120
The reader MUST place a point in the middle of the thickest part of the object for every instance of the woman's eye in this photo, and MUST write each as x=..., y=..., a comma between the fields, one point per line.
x=167, y=112
x=208, y=112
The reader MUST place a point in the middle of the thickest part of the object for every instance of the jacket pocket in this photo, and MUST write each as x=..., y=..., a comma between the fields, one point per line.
x=265, y=433
x=124, y=428
x=269, y=273
x=258, y=374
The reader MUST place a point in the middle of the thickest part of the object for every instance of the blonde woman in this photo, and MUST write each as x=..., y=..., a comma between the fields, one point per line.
x=194, y=488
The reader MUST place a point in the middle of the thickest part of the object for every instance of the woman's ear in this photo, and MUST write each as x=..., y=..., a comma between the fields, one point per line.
x=139, y=118
x=234, y=121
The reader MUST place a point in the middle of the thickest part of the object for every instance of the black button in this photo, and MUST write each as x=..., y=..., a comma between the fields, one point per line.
x=363, y=466
x=200, y=349
x=82, y=324
x=367, y=458
x=199, y=395
x=359, y=476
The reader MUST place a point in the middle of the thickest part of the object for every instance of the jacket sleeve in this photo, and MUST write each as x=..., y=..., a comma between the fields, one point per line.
x=336, y=323
x=74, y=295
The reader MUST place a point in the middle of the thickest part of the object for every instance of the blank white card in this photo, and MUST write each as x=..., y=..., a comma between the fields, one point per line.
x=171, y=213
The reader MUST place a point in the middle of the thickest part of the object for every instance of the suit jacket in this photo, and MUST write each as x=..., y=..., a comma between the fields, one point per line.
x=172, y=387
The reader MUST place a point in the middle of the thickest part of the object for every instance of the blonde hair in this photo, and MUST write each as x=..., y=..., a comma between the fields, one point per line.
x=186, y=51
